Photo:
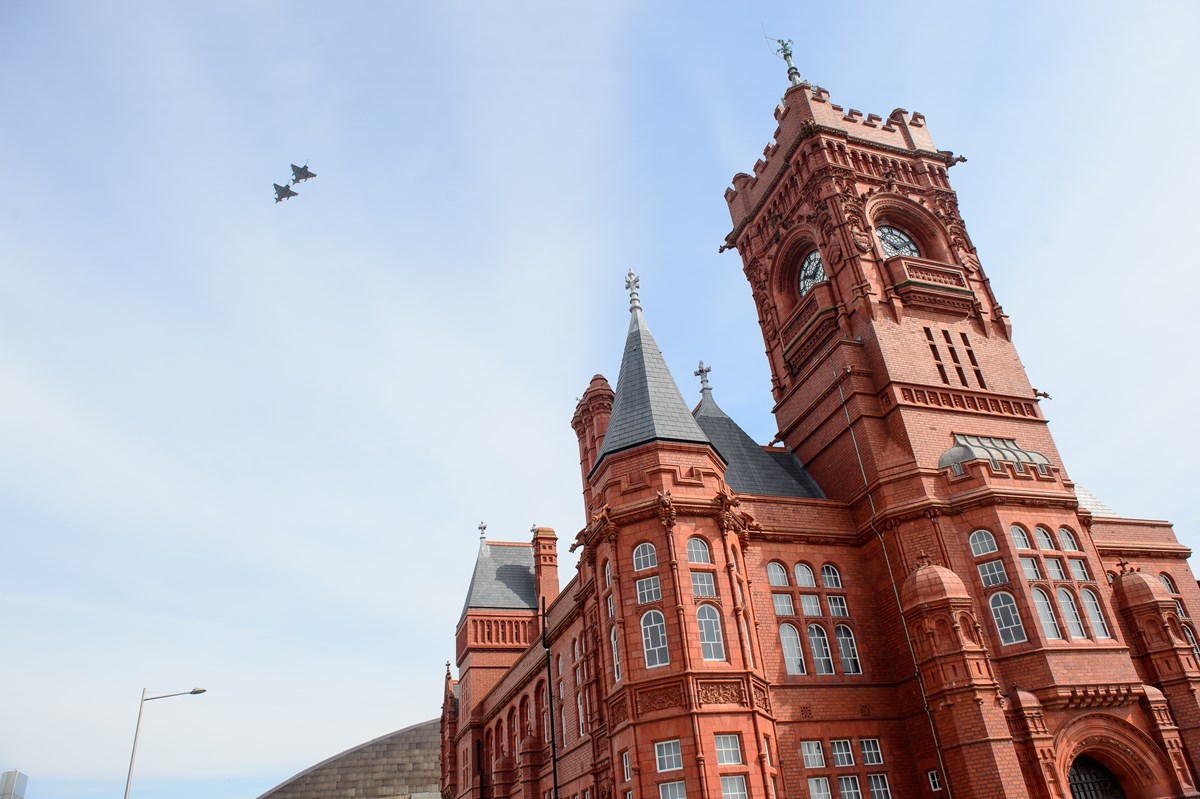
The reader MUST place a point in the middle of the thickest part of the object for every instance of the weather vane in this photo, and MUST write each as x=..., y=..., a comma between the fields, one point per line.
x=785, y=50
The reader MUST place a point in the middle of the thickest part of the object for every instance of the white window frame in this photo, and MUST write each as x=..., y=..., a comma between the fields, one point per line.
x=935, y=780
x=1068, y=540
x=649, y=589
x=847, y=649
x=1000, y=603
x=645, y=556
x=878, y=787
x=777, y=575
x=1079, y=569
x=1054, y=567
x=818, y=788
x=668, y=755
x=1030, y=568
x=729, y=749
x=704, y=584
x=818, y=644
x=810, y=605
x=712, y=638
x=1044, y=538
x=830, y=576
x=872, y=753
x=783, y=605
x=841, y=751
x=1020, y=537
x=694, y=545
x=672, y=790
x=626, y=770
x=1070, y=612
x=1095, y=613
x=804, y=576
x=793, y=661
x=992, y=573
x=838, y=607
x=1045, y=614
x=654, y=639
x=733, y=786
x=982, y=543
x=813, y=753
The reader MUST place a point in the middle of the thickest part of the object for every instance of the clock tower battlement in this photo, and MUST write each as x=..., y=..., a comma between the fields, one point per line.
x=872, y=299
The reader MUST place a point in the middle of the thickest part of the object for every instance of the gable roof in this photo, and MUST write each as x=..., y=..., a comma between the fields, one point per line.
x=752, y=469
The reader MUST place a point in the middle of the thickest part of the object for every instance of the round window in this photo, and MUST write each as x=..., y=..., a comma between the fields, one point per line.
x=896, y=242
x=812, y=272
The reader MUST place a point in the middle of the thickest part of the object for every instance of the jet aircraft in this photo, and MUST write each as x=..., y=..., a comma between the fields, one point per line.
x=300, y=173
x=283, y=192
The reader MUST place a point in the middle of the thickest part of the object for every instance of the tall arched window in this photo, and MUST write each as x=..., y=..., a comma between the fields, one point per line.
x=654, y=640
x=776, y=574
x=804, y=576
x=1069, y=542
x=616, y=654
x=1008, y=620
x=793, y=655
x=1020, y=537
x=847, y=650
x=830, y=576
x=1045, y=612
x=818, y=642
x=1070, y=613
x=644, y=557
x=1191, y=636
x=607, y=574
x=712, y=642
x=1091, y=604
x=982, y=542
x=1168, y=583
x=698, y=552
x=1044, y=539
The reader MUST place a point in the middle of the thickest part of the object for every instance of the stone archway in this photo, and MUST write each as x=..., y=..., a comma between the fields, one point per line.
x=1090, y=779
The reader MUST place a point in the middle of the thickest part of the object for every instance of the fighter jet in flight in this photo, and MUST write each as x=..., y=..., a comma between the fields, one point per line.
x=283, y=192
x=300, y=173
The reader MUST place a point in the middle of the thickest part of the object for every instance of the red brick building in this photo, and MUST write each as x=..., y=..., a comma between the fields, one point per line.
x=904, y=595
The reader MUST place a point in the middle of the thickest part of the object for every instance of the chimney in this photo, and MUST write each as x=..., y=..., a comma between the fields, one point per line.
x=545, y=563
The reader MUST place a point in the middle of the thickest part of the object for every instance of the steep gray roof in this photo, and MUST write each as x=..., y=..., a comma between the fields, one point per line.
x=752, y=470
x=503, y=579
x=647, y=405
x=970, y=448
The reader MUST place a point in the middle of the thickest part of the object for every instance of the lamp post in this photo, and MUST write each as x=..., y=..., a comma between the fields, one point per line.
x=138, y=729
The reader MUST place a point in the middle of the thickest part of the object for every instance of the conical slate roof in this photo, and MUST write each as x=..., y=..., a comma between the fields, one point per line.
x=752, y=469
x=647, y=405
x=503, y=578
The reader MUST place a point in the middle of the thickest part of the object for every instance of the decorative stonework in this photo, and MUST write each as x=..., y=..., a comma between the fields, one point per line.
x=618, y=711
x=992, y=405
x=660, y=698
x=761, y=698
x=721, y=693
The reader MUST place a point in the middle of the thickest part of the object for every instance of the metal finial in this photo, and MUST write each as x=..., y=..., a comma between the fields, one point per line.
x=631, y=283
x=702, y=373
x=533, y=528
x=785, y=50
x=482, y=528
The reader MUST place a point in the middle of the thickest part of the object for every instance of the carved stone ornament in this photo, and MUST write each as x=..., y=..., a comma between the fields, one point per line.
x=862, y=239
x=722, y=693
x=660, y=698
x=618, y=711
x=666, y=509
x=761, y=698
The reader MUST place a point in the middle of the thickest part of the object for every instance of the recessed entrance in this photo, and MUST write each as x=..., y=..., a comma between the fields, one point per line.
x=1090, y=779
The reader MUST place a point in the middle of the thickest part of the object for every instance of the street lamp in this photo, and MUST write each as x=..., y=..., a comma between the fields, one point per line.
x=137, y=730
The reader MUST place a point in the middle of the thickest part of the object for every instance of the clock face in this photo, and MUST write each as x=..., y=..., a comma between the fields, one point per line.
x=812, y=271
x=896, y=242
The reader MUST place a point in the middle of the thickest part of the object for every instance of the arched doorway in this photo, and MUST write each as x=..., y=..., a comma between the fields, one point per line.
x=1091, y=779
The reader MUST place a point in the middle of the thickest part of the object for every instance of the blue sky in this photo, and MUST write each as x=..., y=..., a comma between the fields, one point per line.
x=247, y=445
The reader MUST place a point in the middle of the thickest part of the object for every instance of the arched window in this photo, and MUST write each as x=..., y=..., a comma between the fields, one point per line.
x=896, y=242
x=776, y=574
x=804, y=576
x=644, y=557
x=812, y=272
x=818, y=642
x=1020, y=537
x=616, y=654
x=712, y=643
x=1045, y=612
x=654, y=640
x=1008, y=620
x=1069, y=542
x=1168, y=583
x=847, y=650
x=830, y=576
x=1091, y=604
x=698, y=552
x=982, y=543
x=1044, y=539
x=1191, y=636
x=1070, y=613
x=793, y=655
x=607, y=574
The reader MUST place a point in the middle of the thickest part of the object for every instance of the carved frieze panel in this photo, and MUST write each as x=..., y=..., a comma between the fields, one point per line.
x=722, y=693
x=660, y=698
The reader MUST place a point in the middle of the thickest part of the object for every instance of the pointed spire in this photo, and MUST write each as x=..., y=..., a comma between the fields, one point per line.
x=647, y=405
